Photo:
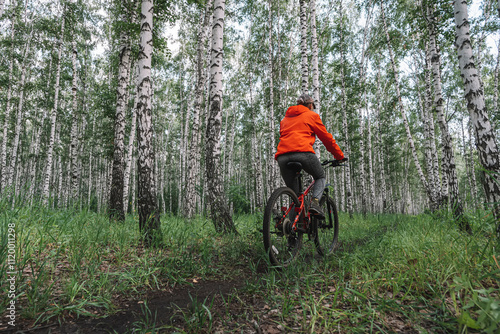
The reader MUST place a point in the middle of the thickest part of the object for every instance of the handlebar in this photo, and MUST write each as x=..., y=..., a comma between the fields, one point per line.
x=334, y=163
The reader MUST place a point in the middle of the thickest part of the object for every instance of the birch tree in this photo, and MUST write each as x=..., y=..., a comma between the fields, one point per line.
x=20, y=113
x=448, y=157
x=194, y=147
x=149, y=220
x=2, y=2
x=53, y=119
x=272, y=172
x=362, y=76
x=117, y=183
x=347, y=179
x=128, y=160
x=4, y=167
x=303, y=47
x=74, y=126
x=219, y=210
x=485, y=136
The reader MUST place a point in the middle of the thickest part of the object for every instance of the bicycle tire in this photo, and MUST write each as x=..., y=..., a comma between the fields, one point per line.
x=280, y=242
x=326, y=231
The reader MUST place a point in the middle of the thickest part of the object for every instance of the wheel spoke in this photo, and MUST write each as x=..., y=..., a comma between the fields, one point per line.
x=280, y=242
x=326, y=230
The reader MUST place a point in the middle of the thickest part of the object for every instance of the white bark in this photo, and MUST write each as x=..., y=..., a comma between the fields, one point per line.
x=194, y=148
x=472, y=164
x=380, y=148
x=362, y=75
x=2, y=2
x=448, y=157
x=129, y=161
x=495, y=90
x=36, y=145
x=75, y=174
x=370, y=165
x=303, y=47
x=315, y=69
x=272, y=171
x=256, y=164
x=485, y=136
x=219, y=210
x=4, y=169
x=20, y=113
x=53, y=118
x=116, y=203
x=91, y=158
x=149, y=221
x=347, y=179
x=431, y=157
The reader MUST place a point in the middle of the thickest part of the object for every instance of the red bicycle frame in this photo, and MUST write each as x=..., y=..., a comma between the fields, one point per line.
x=300, y=209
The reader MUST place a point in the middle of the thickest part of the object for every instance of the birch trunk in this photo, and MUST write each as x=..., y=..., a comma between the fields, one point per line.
x=256, y=164
x=20, y=114
x=91, y=158
x=75, y=175
x=485, y=136
x=53, y=118
x=448, y=158
x=370, y=165
x=231, y=148
x=315, y=69
x=347, y=179
x=401, y=106
x=273, y=174
x=362, y=74
x=468, y=163
x=5, y=137
x=303, y=47
x=116, y=204
x=129, y=161
x=149, y=220
x=472, y=164
x=495, y=91
x=380, y=142
x=220, y=214
x=437, y=191
x=2, y=2
x=36, y=150
x=194, y=148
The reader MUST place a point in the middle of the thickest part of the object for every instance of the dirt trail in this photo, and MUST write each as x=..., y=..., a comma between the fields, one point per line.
x=167, y=305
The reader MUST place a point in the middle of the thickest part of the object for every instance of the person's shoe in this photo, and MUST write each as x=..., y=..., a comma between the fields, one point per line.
x=315, y=208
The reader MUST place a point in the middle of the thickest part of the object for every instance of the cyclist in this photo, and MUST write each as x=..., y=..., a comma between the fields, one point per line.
x=298, y=131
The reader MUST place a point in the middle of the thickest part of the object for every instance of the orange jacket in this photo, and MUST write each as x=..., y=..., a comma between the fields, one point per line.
x=298, y=130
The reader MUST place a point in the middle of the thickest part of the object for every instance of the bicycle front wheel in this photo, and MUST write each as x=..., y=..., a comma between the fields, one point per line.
x=326, y=230
x=280, y=241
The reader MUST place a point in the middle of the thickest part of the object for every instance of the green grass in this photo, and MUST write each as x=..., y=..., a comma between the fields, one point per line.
x=390, y=273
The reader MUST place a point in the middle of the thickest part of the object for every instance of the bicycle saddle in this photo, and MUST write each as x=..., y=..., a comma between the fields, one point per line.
x=295, y=166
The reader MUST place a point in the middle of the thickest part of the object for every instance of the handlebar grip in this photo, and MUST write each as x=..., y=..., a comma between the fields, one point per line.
x=333, y=163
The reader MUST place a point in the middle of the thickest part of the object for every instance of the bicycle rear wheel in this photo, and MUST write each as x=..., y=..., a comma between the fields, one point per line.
x=280, y=241
x=326, y=230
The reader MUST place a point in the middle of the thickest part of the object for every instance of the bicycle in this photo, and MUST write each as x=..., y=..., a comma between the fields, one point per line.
x=287, y=219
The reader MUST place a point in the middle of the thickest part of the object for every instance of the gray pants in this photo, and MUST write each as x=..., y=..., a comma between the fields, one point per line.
x=310, y=163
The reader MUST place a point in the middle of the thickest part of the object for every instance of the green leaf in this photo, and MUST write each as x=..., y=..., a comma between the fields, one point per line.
x=465, y=319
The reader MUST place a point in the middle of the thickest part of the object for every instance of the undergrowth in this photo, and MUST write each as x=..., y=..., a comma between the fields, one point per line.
x=390, y=273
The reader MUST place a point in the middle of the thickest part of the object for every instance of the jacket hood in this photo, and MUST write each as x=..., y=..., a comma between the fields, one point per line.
x=296, y=110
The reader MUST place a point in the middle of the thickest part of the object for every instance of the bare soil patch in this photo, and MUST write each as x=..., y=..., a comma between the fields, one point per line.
x=165, y=306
